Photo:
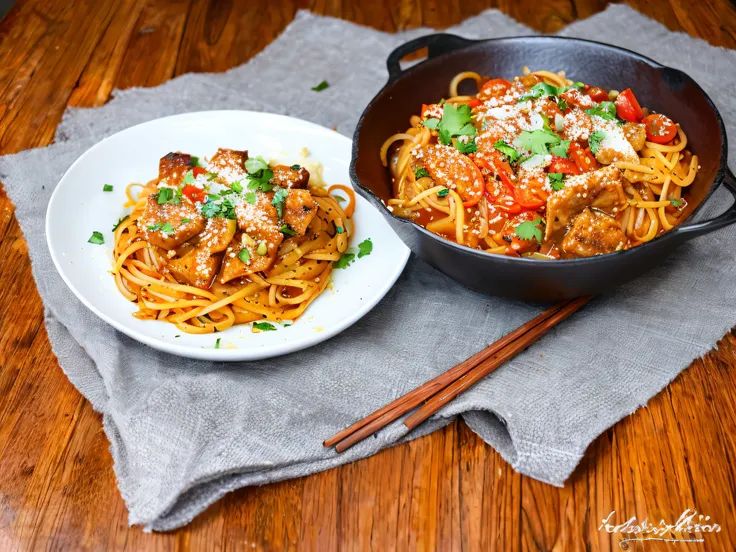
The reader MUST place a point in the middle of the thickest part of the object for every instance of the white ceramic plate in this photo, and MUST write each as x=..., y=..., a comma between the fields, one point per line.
x=79, y=206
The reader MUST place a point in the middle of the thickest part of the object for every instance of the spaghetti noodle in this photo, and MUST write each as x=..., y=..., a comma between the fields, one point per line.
x=541, y=166
x=261, y=246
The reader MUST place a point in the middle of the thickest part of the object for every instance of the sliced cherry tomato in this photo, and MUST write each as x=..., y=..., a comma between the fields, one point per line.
x=584, y=158
x=564, y=166
x=660, y=129
x=194, y=193
x=458, y=171
x=627, y=107
x=196, y=171
x=577, y=98
x=598, y=94
x=472, y=102
x=495, y=87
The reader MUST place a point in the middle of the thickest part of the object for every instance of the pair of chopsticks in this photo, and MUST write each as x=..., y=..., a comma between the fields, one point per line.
x=439, y=391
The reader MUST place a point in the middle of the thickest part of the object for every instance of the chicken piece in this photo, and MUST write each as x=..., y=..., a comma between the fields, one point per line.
x=614, y=146
x=260, y=236
x=172, y=167
x=229, y=165
x=290, y=177
x=183, y=219
x=299, y=210
x=601, y=189
x=636, y=134
x=200, y=265
x=594, y=233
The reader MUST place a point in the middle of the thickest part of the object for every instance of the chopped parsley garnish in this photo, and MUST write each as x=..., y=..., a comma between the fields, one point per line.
x=185, y=220
x=530, y=230
x=339, y=229
x=217, y=343
x=595, y=139
x=536, y=141
x=211, y=176
x=189, y=177
x=97, y=238
x=264, y=326
x=321, y=86
x=507, y=150
x=166, y=228
x=236, y=186
x=295, y=167
x=443, y=193
x=278, y=201
x=251, y=197
x=466, y=147
x=560, y=150
x=259, y=174
x=244, y=256
x=344, y=261
x=420, y=172
x=365, y=248
x=676, y=202
x=286, y=230
x=556, y=181
x=168, y=195
x=155, y=227
x=431, y=123
x=456, y=121
x=217, y=206
x=604, y=110
x=119, y=222
x=562, y=104
x=539, y=90
x=107, y=188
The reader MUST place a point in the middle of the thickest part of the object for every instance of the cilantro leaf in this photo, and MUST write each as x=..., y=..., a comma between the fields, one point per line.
x=556, y=181
x=107, y=188
x=466, y=147
x=443, y=193
x=432, y=123
x=539, y=90
x=321, y=86
x=456, y=121
x=244, y=256
x=264, y=326
x=507, y=150
x=604, y=110
x=166, y=228
x=251, y=198
x=562, y=104
x=236, y=186
x=344, y=261
x=530, y=230
x=194, y=161
x=168, y=195
x=560, y=150
x=286, y=230
x=420, y=172
x=155, y=227
x=97, y=238
x=595, y=139
x=119, y=222
x=536, y=141
x=365, y=248
x=278, y=201
x=255, y=164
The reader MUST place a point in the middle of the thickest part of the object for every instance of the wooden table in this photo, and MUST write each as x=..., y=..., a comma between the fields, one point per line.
x=446, y=491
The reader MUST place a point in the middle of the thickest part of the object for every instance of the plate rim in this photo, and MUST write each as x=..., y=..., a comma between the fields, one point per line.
x=237, y=354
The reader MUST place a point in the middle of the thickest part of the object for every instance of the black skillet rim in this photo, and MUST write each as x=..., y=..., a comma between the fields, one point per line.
x=671, y=234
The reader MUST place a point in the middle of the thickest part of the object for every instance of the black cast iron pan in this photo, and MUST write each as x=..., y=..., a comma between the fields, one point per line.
x=659, y=88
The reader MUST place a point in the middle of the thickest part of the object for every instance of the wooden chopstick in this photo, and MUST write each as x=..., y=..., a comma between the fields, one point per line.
x=484, y=368
x=387, y=414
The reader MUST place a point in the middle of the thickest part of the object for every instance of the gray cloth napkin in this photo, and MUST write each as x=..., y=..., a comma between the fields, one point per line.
x=184, y=433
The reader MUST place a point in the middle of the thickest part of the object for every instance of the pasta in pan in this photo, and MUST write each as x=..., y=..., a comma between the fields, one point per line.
x=540, y=166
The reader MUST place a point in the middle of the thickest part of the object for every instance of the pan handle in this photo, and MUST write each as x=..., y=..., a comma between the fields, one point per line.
x=439, y=43
x=724, y=219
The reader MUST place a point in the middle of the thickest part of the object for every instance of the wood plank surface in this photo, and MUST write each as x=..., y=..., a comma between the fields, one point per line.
x=446, y=491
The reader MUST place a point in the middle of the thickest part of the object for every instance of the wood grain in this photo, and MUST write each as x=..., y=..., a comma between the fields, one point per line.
x=446, y=491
